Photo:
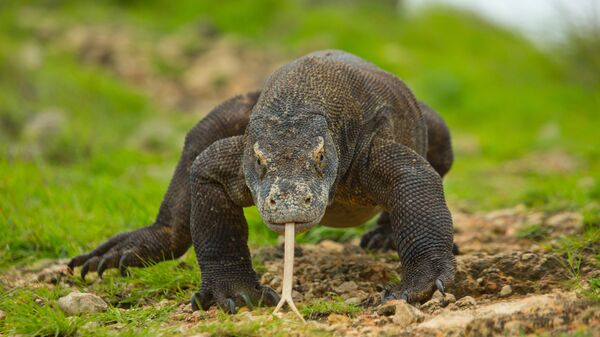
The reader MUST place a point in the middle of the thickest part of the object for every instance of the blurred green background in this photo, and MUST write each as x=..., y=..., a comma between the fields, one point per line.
x=96, y=97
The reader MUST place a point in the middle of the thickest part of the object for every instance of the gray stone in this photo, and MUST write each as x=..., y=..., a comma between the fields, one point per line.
x=506, y=291
x=346, y=287
x=77, y=303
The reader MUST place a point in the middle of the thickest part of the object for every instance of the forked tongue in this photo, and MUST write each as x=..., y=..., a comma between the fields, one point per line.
x=288, y=271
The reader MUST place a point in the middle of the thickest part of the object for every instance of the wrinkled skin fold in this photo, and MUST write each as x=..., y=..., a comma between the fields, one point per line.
x=330, y=140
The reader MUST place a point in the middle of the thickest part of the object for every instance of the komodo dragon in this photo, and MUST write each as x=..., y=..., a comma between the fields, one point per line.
x=330, y=140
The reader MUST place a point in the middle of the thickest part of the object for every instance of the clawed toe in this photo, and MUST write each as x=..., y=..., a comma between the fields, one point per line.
x=261, y=296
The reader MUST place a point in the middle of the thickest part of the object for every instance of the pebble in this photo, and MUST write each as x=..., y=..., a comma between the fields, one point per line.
x=387, y=309
x=77, y=303
x=187, y=308
x=527, y=256
x=346, y=287
x=353, y=300
x=506, y=291
x=2, y=315
x=466, y=302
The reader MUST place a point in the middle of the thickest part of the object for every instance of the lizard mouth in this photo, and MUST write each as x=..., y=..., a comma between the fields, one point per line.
x=299, y=227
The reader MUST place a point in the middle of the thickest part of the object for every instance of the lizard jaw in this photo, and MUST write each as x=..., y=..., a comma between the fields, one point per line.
x=299, y=227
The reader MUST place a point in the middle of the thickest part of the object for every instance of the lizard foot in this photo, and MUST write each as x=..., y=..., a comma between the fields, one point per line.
x=134, y=249
x=379, y=238
x=420, y=282
x=230, y=297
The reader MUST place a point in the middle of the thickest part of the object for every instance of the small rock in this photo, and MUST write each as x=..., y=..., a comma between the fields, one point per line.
x=275, y=282
x=353, y=300
x=91, y=325
x=187, y=308
x=506, y=291
x=561, y=218
x=198, y=314
x=432, y=305
x=76, y=303
x=527, y=256
x=466, y=302
x=437, y=295
x=2, y=315
x=337, y=319
x=332, y=245
x=406, y=314
x=450, y=298
x=387, y=308
x=480, y=281
x=346, y=287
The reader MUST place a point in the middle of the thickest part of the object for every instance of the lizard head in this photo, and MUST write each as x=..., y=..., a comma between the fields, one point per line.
x=290, y=167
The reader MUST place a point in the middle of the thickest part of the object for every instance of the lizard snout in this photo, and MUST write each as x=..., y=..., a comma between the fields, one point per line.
x=298, y=196
x=291, y=201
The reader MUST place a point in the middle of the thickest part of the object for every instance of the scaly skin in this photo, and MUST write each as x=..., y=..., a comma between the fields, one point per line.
x=331, y=139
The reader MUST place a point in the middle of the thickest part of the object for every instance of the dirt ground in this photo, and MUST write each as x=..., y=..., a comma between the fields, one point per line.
x=505, y=285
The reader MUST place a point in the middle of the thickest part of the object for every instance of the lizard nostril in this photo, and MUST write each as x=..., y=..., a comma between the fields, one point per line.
x=308, y=200
x=272, y=202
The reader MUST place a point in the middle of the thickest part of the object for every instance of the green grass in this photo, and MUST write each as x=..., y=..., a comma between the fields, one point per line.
x=76, y=165
x=322, y=308
x=535, y=232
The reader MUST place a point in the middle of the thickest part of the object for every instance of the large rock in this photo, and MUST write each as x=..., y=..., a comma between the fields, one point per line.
x=505, y=318
x=403, y=314
x=77, y=303
x=406, y=314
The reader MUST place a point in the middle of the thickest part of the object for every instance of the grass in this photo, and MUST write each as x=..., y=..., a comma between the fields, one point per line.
x=535, y=232
x=323, y=308
x=82, y=158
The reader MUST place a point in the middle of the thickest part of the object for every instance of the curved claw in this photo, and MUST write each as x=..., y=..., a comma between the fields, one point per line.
x=228, y=306
x=102, y=266
x=440, y=286
x=203, y=301
x=247, y=300
x=71, y=265
x=269, y=297
x=123, y=267
x=195, y=302
x=85, y=269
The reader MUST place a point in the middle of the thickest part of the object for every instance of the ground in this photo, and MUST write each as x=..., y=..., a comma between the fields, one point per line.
x=506, y=283
x=96, y=98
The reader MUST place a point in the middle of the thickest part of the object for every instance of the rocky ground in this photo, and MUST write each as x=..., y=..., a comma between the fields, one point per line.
x=506, y=284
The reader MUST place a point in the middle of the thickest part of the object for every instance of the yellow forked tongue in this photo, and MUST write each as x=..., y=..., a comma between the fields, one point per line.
x=288, y=271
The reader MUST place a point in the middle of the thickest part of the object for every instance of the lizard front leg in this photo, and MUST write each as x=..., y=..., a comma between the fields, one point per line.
x=169, y=236
x=220, y=232
x=411, y=191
